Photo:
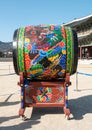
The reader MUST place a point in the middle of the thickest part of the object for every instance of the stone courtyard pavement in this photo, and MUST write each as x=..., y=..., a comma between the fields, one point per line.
x=80, y=103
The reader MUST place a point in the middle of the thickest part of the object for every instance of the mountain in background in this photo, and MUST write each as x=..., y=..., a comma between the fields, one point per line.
x=5, y=49
x=5, y=46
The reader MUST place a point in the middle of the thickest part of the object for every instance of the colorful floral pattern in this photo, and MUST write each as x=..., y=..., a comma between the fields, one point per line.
x=45, y=94
x=52, y=93
x=45, y=52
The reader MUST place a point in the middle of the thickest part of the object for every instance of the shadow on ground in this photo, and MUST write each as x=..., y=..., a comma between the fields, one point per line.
x=38, y=112
x=8, y=103
x=21, y=126
x=35, y=118
x=79, y=107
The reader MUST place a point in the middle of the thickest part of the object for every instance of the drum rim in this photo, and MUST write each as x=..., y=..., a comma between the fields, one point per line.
x=75, y=51
x=69, y=59
x=15, y=51
x=21, y=50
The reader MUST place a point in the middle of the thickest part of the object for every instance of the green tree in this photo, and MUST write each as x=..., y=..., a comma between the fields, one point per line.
x=1, y=54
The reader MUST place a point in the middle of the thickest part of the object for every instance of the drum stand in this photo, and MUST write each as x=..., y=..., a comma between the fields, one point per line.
x=44, y=94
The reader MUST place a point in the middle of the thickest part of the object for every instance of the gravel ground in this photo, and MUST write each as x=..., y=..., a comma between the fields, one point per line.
x=80, y=103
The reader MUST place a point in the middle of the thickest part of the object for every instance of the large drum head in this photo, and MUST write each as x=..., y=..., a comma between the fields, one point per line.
x=75, y=48
x=15, y=51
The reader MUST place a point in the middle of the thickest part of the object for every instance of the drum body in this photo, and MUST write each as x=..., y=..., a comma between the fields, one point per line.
x=45, y=52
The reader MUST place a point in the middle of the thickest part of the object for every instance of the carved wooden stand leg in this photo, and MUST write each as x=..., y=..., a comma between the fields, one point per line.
x=22, y=108
x=66, y=108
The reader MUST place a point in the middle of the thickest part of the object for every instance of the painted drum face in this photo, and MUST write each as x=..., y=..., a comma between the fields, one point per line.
x=46, y=52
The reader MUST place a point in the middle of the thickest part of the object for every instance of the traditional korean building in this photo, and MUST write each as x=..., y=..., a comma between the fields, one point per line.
x=83, y=26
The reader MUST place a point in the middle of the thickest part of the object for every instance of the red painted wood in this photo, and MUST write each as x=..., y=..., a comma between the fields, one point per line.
x=44, y=94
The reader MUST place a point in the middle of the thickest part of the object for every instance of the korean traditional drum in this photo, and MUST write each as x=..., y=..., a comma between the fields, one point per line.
x=44, y=57
x=45, y=52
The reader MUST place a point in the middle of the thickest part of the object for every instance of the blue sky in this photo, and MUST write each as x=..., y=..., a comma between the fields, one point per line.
x=21, y=13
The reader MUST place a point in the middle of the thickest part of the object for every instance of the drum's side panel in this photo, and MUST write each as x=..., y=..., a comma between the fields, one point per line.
x=15, y=51
x=45, y=52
